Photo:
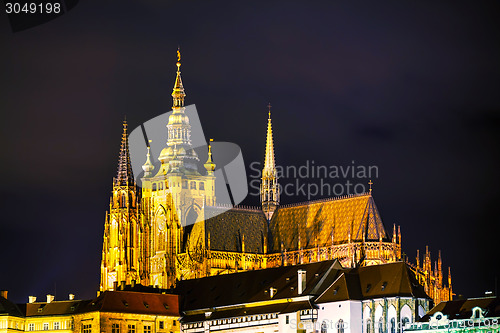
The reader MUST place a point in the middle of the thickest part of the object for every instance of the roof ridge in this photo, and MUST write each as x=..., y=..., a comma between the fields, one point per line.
x=343, y=197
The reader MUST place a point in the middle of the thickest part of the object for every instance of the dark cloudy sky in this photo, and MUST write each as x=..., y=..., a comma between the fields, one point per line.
x=409, y=86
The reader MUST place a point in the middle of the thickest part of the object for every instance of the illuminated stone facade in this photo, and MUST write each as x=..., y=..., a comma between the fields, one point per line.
x=150, y=236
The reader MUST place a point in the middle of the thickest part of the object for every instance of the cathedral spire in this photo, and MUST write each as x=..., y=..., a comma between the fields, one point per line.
x=124, y=175
x=269, y=190
x=178, y=93
x=269, y=165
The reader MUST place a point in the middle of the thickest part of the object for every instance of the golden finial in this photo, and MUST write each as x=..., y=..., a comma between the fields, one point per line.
x=269, y=107
x=178, y=58
x=370, y=183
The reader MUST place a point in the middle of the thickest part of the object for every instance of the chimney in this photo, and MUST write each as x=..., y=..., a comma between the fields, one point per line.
x=4, y=293
x=115, y=285
x=122, y=285
x=50, y=298
x=301, y=280
x=71, y=297
x=31, y=299
x=133, y=284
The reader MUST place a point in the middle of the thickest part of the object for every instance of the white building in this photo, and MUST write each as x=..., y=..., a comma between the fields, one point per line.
x=317, y=297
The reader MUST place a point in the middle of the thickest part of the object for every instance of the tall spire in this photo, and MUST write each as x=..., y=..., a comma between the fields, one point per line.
x=178, y=93
x=269, y=190
x=124, y=176
x=269, y=165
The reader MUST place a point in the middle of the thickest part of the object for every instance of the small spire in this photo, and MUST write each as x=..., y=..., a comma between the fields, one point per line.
x=269, y=107
x=148, y=167
x=124, y=175
x=210, y=165
x=178, y=93
x=370, y=183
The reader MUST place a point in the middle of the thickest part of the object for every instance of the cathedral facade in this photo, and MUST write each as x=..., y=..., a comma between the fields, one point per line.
x=172, y=228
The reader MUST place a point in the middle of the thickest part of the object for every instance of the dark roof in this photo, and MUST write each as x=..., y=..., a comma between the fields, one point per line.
x=54, y=308
x=254, y=286
x=462, y=309
x=228, y=229
x=386, y=280
x=135, y=302
x=314, y=223
x=9, y=308
x=249, y=311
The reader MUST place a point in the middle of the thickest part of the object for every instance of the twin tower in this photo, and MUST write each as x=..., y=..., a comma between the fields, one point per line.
x=150, y=234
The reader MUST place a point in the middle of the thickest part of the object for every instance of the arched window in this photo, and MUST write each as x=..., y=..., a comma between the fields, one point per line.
x=393, y=325
x=340, y=326
x=368, y=326
x=405, y=321
x=184, y=184
x=324, y=326
x=154, y=186
x=202, y=186
x=123, y=200
x=381, y=325
x=193, y=185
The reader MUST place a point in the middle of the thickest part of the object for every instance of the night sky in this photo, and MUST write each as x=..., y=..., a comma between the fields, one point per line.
x=411, y=87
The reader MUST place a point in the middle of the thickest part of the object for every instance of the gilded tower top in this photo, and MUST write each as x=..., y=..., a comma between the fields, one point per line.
x=178, y=93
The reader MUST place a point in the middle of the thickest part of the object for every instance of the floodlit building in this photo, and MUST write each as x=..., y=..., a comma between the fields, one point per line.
x=146, y=237
x=316, y=297
x=111, y=312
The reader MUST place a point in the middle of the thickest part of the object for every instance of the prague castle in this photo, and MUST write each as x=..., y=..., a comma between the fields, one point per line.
x=151, y=237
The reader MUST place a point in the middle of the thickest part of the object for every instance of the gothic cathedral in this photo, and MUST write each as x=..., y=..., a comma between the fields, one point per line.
x=172, y=228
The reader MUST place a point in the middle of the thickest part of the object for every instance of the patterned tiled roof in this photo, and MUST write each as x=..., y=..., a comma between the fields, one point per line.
x=318, y=223
x=228, y=229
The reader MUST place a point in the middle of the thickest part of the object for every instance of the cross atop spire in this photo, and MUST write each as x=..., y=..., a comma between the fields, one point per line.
x=124, y=175
x=269, y=107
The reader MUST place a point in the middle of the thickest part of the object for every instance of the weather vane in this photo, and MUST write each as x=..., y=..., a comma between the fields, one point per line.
x=178, y=54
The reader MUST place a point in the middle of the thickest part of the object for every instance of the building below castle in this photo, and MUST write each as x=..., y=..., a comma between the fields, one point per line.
x=110, y=312
x=151, y=237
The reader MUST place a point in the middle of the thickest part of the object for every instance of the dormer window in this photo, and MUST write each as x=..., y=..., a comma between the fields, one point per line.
x=368, y=287
x=384, y=285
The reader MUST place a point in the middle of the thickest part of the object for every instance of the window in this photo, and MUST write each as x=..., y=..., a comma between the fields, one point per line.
x=384, y=285
x=174, y=322
x=368, y=287
x=31, y=327
x=324, y=326
x=202, y=186
x=56, y=325
x=87, y=328
x=381, y=325
x=154, y=187
x=45, y=326
x=287, y=320
x=184, y=184
x=393, y=325
x=368, y=326
x=115, y=328
x=340, y=326
x=147, y=328
x=406, y=320
x=160, y=186
x=131, y=328
x=193, y=185
x=161, y=325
